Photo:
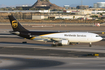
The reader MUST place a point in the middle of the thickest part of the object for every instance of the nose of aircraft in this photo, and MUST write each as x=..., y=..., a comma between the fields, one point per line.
x=100, y=38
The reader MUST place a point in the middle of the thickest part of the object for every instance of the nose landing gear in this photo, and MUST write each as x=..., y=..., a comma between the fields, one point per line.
x=90, y=45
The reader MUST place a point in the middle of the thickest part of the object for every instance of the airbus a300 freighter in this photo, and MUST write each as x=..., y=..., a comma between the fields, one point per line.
x=63, y=38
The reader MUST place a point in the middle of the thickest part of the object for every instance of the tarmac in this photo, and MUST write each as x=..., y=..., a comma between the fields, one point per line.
x=15, y=55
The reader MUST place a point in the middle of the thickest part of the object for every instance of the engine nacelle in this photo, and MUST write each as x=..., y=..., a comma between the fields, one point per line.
x=15, y=32
x=72, y=43
x=64, y=42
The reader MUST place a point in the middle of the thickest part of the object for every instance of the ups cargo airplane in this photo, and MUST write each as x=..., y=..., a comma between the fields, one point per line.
x=63, y=38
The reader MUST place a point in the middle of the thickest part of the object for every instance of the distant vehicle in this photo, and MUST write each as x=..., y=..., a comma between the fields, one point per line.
x=63, y=38
x=81, y=18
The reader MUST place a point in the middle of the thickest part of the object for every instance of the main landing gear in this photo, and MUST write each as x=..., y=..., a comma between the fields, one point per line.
x=24, y=42
x=54, y=44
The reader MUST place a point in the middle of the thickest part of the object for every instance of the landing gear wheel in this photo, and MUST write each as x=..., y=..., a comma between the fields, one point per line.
x=59, y=44
x=54, y=45
x=24, y=42
x=90, y=45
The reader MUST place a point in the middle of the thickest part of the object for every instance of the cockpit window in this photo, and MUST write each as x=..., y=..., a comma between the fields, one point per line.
x=97, y=36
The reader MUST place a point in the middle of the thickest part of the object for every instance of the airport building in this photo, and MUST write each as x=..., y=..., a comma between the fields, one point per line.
x=24, y=7
x=66, y=6
x=99, y=5
x=83, y=7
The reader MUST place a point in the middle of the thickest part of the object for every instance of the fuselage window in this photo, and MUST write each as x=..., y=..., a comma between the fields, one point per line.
x=97, y=36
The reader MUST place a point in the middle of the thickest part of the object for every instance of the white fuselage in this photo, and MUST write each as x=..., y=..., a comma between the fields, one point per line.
x=80, y=37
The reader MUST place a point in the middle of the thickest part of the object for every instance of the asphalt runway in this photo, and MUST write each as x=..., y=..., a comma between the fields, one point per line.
x=14, y=55
x=20, y=62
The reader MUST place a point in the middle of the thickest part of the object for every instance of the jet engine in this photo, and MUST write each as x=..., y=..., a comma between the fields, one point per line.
x=15, y=32
x=64, y=42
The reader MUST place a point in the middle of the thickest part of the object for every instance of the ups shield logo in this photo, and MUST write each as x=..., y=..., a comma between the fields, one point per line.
x=14, y=24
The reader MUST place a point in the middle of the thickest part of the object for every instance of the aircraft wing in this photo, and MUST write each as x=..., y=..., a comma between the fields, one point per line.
x=52, y=38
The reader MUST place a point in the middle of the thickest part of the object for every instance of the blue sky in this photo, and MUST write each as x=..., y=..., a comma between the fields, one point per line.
x=57, y=2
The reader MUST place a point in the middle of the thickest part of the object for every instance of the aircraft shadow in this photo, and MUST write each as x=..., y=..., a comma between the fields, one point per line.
x=28, y=63
x=36, y=44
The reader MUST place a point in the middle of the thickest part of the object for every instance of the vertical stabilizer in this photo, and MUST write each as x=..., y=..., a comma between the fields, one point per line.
x=15, y=24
